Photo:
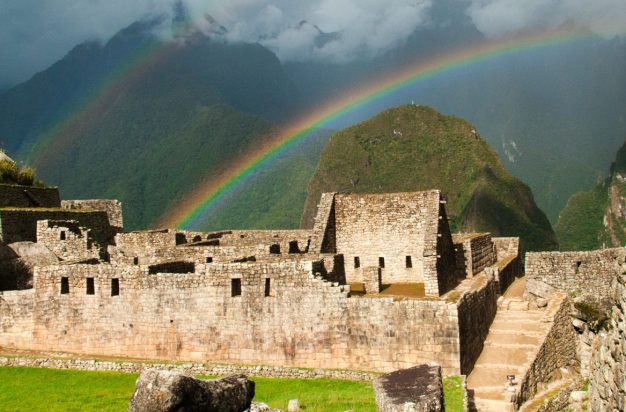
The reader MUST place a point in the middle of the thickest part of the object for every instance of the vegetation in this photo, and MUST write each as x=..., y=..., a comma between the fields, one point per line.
x=453, y=393
x=49, y=390
x=593, y=219
x=581, y=221
x=415, y=148
x=11, y=174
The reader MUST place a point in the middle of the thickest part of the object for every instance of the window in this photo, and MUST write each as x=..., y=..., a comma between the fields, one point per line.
x=62, y=235
x=65, y=286
x=578, y=266
x=275, y=249
x=409, y=262
x=293, y=247
x=115, y=287
x=136, y=260
x=91, y=288
x=235, y=287
x=209, y=259
x=357, y=262
x=381, y=262
x=268, y=287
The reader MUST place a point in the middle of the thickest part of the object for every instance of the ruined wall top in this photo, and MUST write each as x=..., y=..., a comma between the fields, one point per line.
x=29, y=196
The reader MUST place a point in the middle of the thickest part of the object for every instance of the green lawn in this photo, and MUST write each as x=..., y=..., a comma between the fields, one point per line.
x=51, y=390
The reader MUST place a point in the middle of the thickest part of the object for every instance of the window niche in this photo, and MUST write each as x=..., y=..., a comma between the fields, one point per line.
x=91, y=286
x=235, y=287
x=65, y=286
x=115, y=287
x=409, y=262
x=357, y=262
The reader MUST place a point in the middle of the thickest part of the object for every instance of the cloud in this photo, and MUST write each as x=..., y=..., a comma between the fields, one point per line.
x=36, y=33
x=500, y=17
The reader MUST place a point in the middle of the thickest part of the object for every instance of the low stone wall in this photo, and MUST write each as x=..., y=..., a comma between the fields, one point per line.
x=18, y=225
x=588, y=275
x=192, y=368
x=558, y=350
x=29, y=196
x=113, y=209
x=478, y=251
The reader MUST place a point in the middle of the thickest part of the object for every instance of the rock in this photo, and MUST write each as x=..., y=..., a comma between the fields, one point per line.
x=541, y=302
x=174, y=391
x=579, y=325
x=261, y=407
x=416, y=389
x=578, y=396
x=293, y=405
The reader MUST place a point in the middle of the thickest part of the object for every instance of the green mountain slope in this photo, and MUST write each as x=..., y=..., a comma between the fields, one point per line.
x=415, y=148
x=597, y=218
x=187, y=111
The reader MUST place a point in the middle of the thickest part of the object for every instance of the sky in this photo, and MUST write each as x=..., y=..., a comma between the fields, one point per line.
x=36, y=33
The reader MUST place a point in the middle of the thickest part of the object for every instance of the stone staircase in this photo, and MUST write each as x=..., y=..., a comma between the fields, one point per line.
x=514, y=338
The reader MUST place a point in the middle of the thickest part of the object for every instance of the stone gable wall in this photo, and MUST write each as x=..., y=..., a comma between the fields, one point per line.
x=113, y=208
x=478, y=251
x=29, y=196
x=392, y=227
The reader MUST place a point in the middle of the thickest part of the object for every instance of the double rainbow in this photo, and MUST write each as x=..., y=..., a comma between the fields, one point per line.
x=188, y=213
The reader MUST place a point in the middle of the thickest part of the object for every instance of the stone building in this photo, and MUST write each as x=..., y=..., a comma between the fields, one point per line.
x=378, y=284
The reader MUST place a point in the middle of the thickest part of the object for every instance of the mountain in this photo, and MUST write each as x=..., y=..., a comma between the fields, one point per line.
x=556, y=113
x=145, y=119
x=597, y=218
x=415, y=148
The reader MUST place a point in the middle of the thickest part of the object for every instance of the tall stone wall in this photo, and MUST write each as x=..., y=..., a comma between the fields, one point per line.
x=588, y=275
x=398, y=231
x=17, y=225
x=13, y=196
x=113, y=208
x=298, y=320
x=607, y=381
x=476, y=311
x=323, y=234
x=17, y=323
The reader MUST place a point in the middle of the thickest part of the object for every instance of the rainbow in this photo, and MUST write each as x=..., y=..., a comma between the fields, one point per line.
x=187, y=213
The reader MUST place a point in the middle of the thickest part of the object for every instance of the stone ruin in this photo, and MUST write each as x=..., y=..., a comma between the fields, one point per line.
x=378, y=284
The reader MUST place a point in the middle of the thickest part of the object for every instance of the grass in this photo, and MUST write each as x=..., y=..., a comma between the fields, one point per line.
x=51, y=390
x=453, y=393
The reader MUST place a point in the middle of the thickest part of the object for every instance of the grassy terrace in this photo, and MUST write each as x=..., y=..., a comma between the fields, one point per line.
x=50, y=390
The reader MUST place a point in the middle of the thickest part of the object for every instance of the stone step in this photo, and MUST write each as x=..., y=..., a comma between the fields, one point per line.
x=492, y=375
x=489, y=405
x=519, y=338
x=496, y=355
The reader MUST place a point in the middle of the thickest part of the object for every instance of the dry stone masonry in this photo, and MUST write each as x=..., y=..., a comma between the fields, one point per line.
x=282, y=298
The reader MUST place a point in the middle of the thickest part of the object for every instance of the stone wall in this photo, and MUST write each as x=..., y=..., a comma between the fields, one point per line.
x=67, y=240
x=478, y=251
x=588, y=275
x=195, y=368
x=398, y=232
x=323, y=234
x=476, y=310
x=113, y=208
x=13, y=196
x=557, y=351
x=303, y=321
x=18, y=225
x=17, y=323
x=607, y=381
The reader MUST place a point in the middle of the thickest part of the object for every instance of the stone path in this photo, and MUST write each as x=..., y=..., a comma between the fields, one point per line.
x=513, y=339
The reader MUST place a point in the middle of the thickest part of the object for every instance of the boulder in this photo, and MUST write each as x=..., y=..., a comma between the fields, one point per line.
x=174, y=391
x=416, y=389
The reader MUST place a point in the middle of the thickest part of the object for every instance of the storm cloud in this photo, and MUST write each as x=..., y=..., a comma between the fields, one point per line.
x=36, y=33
